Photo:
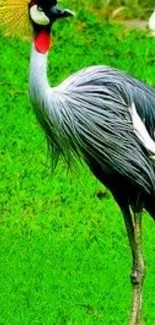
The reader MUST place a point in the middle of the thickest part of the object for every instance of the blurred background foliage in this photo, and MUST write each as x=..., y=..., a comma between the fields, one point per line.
x=117, y=8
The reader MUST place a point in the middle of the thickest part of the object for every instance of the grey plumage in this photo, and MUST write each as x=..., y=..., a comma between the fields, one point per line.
x=90, y=113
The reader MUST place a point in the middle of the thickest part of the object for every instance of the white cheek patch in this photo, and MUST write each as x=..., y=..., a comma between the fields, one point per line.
x=39, y=16
x=141, y=132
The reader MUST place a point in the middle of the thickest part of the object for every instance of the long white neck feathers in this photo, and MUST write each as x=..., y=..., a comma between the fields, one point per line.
x=38, y=82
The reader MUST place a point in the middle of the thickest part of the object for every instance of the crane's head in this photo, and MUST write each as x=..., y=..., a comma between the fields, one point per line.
x=42, y=14
x=16, y=16
x=46, y=12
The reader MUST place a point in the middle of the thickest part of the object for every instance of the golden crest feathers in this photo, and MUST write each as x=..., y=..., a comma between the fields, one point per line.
x=14, y=20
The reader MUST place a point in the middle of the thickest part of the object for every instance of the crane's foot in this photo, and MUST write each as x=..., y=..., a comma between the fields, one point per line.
x=133, y=225
x=137, y=279
x=137, y=276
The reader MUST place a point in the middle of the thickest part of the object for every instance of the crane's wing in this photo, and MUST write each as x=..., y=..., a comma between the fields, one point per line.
x=141, y=132
x=109, y=115
x=121, y=87
x=142, y=109
x=143, y=97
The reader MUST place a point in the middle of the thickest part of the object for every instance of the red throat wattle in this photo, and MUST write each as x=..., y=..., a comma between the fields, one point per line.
x=42, y=41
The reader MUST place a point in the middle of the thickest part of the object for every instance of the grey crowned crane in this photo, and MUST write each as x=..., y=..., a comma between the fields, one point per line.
x=105, y=117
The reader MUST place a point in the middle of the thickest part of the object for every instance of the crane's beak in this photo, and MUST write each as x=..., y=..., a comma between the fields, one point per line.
x=58, y=12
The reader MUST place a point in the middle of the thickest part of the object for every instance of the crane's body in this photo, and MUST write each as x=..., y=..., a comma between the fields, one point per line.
x=89, y=115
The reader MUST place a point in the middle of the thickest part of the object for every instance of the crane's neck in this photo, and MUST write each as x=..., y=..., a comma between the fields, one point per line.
x=38, y=81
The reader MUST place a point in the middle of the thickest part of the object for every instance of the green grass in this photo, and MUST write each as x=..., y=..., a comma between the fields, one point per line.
x=64, y=257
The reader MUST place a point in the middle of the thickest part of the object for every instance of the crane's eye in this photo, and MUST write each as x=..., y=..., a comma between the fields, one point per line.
x=38, y=16
x=40, y=8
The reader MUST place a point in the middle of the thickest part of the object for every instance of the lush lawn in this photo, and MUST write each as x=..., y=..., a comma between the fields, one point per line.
x=64, y=252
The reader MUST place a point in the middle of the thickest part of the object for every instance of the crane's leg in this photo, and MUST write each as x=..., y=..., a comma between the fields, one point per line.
x=137, y=276
x=134, y=234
